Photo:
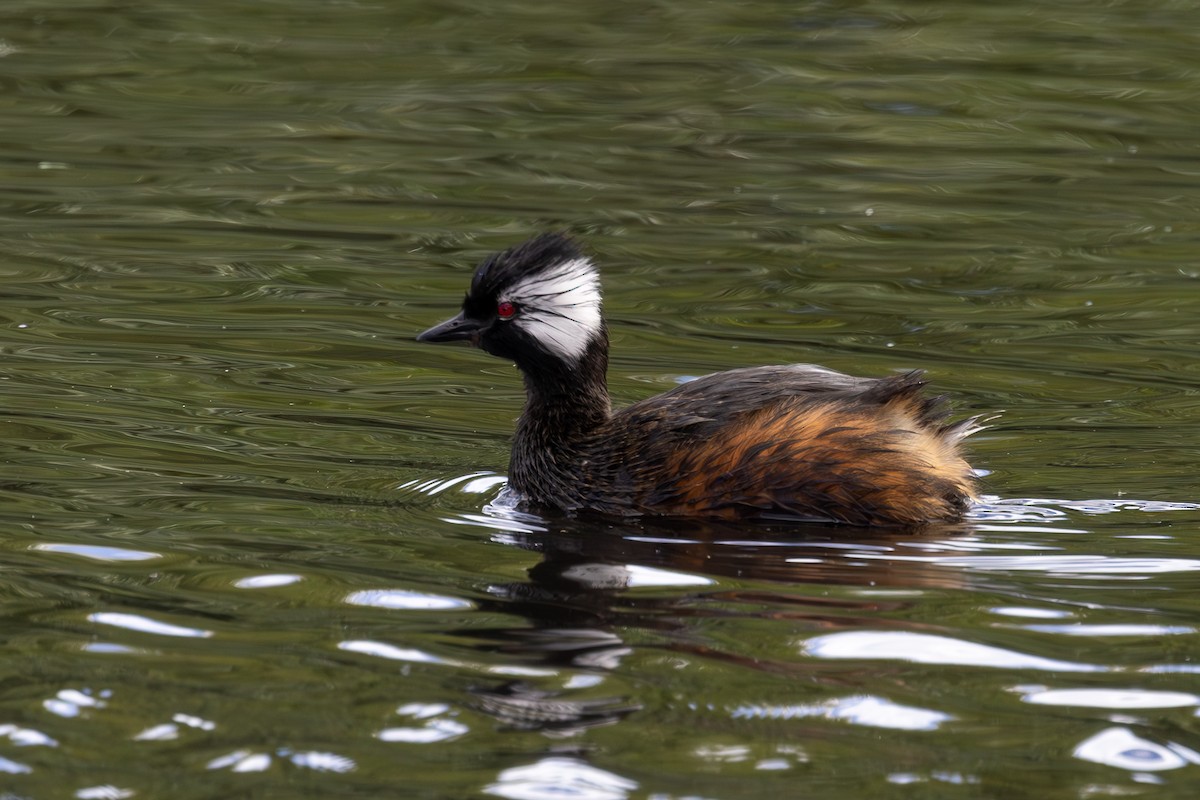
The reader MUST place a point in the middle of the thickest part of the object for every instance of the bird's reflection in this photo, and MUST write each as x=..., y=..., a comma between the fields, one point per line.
x=601, y=583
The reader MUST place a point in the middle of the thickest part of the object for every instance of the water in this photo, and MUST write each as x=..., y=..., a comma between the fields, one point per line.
x=251, y=540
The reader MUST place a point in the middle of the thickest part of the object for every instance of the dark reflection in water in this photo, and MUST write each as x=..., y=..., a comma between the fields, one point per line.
x=576, y=600
x=581, y=608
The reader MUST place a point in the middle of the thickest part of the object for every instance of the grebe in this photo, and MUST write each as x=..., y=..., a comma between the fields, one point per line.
x=797, y=442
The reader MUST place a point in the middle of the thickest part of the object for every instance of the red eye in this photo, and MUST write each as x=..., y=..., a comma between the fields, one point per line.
x=505, y=310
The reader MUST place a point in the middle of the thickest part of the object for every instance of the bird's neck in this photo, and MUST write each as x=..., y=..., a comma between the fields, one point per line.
x=566, y=402
x=564, y=406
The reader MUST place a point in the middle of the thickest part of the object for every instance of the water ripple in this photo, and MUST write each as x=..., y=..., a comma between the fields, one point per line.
x=1080, y=629
x=413, y=655
x=998, y=509
x=1110, y=567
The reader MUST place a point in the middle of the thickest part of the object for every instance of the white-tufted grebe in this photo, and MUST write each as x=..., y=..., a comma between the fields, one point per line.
x=794, y=442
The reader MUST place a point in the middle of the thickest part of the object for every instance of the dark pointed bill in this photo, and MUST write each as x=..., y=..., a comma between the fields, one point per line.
x=458, y=329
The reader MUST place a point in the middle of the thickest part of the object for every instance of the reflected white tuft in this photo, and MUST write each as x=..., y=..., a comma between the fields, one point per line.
x=560, y=306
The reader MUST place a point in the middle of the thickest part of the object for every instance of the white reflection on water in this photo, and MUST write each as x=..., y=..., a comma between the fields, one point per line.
x=1031, y=613
x=266, y=581
x=1164, y=669
x=104, y=792
x=249, y=761
x=924, y=648
x=1108, y=698
x=136, y=622
x=110, y=648
x=71, y=702
x=158, y=733
x=1029, y=509
x=483, y=485
x=11, y=767
x=1077, y=629
x=559, y=778
x=875, y=712
x=388, y=651
x=433, y=731
x=26, y=737
x=393, y=653
x=241, y=761
x=423, y=710
x=434, y=728
x=405, y=599
x=319, y=761
x=597, y=575
x=170, y=730
x=1122, y=748
x=500, y=520
x=1106, y=566
x=942, y=776
x=97, y=552
x=724, y=753
x=640, y=577
x=472, y=483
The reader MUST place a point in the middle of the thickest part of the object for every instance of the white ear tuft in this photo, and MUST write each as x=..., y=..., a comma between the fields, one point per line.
x=560, y=306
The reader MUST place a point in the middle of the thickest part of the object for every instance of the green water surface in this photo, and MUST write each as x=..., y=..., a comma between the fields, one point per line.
x=249, y=544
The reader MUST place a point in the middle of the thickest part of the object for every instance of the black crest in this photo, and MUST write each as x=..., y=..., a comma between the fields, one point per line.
x=504, y=268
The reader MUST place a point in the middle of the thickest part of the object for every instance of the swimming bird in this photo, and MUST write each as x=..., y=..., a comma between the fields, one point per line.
x=793, y=442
